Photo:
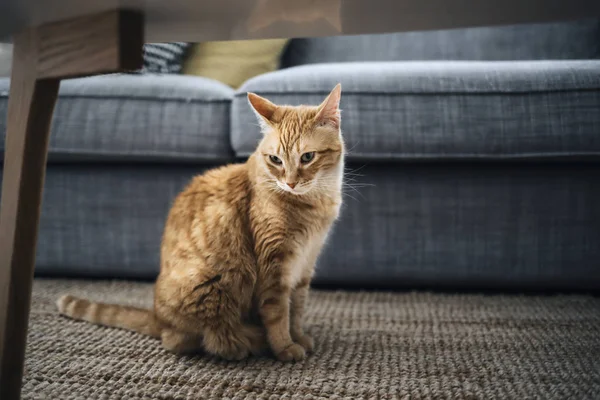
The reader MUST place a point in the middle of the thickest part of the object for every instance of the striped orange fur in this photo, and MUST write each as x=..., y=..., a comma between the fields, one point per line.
x=240, y=243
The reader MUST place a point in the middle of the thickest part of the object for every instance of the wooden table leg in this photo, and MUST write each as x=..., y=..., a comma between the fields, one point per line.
x=30, y=108
x=108, y=42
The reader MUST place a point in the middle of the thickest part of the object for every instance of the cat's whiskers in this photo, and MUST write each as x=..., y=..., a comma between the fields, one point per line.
x=327, y=187
x=349, y=151
x=346, y=183
x=270, y=184
x=349, y=171
x=349, y=195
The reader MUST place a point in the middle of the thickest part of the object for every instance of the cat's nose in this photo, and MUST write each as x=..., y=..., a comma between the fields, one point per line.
x=292, y=184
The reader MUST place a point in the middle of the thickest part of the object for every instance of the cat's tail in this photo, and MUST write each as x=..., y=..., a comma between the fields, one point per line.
x=130, y=318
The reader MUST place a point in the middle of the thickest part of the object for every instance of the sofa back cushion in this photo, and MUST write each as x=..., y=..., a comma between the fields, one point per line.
x=549, y=41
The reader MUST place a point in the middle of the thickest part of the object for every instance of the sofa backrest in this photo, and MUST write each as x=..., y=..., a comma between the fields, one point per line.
x=564, y=40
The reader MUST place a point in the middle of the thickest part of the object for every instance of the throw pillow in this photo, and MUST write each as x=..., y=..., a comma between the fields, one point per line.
x=164, y=58
x=234, y=62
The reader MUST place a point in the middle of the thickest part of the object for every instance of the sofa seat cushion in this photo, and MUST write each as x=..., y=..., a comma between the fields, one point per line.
x=444, y=110
x=137, y=118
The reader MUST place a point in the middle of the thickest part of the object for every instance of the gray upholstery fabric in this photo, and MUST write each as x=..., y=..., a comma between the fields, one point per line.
x=137, y=118
x=567, y=40
x=107, y=220
x=444, y=110
x=480, y=225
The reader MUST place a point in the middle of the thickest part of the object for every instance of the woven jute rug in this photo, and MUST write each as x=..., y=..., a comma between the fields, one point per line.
x=368, y=346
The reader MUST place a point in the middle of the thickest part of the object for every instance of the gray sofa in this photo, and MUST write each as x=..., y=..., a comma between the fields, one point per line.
x=480, y=147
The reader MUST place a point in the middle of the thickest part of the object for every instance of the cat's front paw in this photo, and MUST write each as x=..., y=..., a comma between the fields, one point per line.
x=293, y=352
x=306, y=342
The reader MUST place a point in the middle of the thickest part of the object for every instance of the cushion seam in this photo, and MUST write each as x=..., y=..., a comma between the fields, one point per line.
x=431, y=93
x=144, y=98
x=54, y=151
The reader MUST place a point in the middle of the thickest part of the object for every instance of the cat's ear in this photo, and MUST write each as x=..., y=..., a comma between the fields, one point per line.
x=329, y=110
x=263, y=108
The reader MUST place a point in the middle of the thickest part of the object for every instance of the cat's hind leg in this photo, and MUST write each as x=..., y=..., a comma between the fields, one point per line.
x=181, y=342
x=215, y=309
x=235, y=341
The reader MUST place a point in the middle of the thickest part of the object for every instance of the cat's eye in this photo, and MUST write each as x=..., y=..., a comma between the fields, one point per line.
x=275, y=160
x=307, y=157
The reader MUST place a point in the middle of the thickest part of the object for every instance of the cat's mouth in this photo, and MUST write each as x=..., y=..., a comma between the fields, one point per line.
x=298, y=190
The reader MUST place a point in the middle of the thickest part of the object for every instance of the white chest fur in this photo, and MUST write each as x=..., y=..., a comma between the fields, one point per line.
x=303, y=262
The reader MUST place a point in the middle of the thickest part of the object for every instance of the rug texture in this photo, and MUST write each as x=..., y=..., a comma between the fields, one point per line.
x=368, y=346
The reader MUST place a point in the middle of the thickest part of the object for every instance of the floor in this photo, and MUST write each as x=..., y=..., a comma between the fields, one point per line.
x=369, y=345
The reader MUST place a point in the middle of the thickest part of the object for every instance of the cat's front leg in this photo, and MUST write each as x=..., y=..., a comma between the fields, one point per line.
x=298, y=305
x=275, y=314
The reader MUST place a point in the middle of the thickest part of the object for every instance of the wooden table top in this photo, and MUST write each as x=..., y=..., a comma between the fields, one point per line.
x=198, y=20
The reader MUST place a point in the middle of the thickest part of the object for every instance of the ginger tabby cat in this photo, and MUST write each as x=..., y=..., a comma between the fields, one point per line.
x=240, y=243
